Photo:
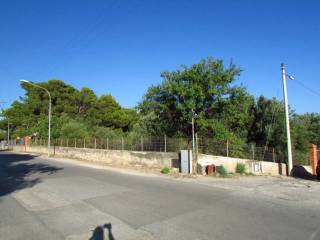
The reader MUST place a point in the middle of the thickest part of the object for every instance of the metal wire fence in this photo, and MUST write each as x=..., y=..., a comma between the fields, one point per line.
x=166, y=144
x=245, y=151
x=152, y=144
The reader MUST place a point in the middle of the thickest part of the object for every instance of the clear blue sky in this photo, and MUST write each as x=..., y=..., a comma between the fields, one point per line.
x=120, y=47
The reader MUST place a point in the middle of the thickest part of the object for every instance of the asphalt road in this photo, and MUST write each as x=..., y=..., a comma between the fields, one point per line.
x=50, y=199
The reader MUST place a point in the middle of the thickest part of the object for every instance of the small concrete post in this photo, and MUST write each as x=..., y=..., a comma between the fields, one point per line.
x=107, y=143
x=165, y=143
x=95, y=143
x=84, y=143
x=67, y=142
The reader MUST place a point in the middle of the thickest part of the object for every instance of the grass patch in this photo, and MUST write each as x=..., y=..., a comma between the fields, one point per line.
x=222, y=171
x=241, y=168
x=165, y=170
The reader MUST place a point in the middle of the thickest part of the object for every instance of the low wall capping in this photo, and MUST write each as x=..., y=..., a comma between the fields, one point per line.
x=118, y=157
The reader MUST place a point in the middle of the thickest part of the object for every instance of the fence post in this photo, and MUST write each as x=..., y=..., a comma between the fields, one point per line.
x=273, y=156
x=61, y=142
x=84, y=143
x=252, y=147
x=142, y=144
x=95, y=143
x=227, y=147
x=67, y=142
x=107, y=143
x=165, y=143
x=122, y=144
x=197, y=149
x=75, y=143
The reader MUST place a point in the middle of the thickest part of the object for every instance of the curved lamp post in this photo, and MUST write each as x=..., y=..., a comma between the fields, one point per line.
x=49, y=113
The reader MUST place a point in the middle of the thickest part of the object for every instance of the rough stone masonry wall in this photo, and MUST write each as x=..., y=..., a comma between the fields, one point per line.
x=116, y=157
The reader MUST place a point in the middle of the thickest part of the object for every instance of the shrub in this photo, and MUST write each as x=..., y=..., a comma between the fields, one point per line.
x=222, y=171
x=241, y=168
x=165, y=170
x=74, y=129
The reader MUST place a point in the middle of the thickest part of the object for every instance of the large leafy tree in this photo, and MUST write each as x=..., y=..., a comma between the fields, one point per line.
x=205, y=91
x=267, y=125
x=71, y=109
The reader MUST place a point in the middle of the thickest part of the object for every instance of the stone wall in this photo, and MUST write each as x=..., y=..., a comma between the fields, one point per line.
x=156, y=159
x=116, y=157
x=255, y=167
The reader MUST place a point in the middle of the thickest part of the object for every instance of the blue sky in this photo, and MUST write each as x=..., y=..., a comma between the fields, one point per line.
x=120, y=47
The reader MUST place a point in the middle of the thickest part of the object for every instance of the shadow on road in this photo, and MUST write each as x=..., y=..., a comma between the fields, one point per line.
x=98, y=232
x=16, y=172
x=301, y=172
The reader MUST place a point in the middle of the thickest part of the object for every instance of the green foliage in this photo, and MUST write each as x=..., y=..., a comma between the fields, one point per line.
x=267, y=125
x=206, y=91
x=222, y=171
x=74, y=112
x=3, y=135
x=165, y=170
x=104, y=133
x=241, y=168
x=74, y=129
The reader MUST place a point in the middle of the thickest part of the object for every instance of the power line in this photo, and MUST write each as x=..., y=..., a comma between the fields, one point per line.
x=307, y=88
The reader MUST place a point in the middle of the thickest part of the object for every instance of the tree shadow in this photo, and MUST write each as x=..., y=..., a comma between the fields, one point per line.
x=17, y=170
x=98, y=233
x=301, y=172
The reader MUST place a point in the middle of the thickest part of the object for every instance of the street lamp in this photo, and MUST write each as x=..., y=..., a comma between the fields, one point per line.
x=284, y=81
x=49, y=113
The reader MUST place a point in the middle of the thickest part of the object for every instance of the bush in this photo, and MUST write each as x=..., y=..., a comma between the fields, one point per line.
x=165, y=170
x=74, y=129
x=104, y=133
x=241, y=168
x=222, y=171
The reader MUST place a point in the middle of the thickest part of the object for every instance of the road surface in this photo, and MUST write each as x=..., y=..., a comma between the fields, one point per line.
x=54, y=199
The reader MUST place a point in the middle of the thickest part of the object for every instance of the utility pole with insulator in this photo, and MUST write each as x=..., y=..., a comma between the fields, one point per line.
x=285, y=95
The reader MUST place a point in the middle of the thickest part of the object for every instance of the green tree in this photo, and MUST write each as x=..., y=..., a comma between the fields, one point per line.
x=206, y=91
x=267, y=124
x=86, y=101
x=29, y=115
x=74, y=129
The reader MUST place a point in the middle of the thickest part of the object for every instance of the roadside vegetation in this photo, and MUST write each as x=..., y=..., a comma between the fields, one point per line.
x=222, y=171
x=241, y=168
x=208, y=91
x=165, y=170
